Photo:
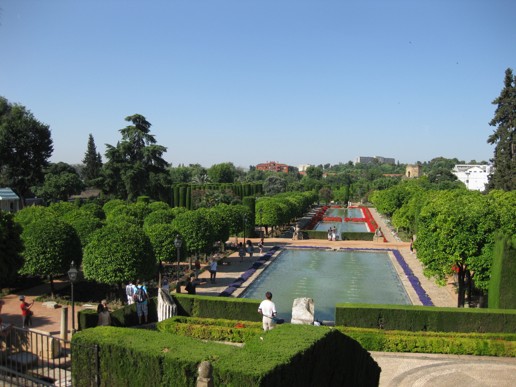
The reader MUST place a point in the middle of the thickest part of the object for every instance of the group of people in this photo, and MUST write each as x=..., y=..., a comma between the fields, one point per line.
x=249, y=249
x=138, y=294
x=332, y=233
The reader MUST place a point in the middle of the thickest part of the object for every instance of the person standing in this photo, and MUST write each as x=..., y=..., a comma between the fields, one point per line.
x=267, y=309
x=190, y=286
x=165, y=285
x=241, y=251
x=142, y=308
x=250, y=248
x=130, y=289
x=197, y=266
x=26, y=312
x=260, y=247
x=213, y=270
x=104, y=314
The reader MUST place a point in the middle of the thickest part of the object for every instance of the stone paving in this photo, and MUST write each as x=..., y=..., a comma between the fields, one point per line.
x=398, y=369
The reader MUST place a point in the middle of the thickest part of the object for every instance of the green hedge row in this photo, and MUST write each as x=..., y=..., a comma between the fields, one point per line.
x=123, y=317
x=345, y=236
x=299, y=354
x=502, y=287
x=211, y=329
x=480, y=344
x=425, y=318
x=357, y=236
x=187, y=305
x=217, y=307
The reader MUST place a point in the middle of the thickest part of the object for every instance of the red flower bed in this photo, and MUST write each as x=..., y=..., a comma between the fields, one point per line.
x=319, y=215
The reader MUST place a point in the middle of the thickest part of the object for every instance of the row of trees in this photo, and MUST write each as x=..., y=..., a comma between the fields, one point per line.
x=455, y=229
x=120, y=241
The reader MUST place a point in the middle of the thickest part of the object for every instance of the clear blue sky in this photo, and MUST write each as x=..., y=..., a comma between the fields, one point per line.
x=250, y=81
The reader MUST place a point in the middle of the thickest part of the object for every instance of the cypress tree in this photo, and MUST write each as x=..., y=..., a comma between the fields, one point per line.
x=504, y=161
x=92, y=163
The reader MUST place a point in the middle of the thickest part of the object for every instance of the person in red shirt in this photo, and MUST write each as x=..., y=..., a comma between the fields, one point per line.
x=26, y=312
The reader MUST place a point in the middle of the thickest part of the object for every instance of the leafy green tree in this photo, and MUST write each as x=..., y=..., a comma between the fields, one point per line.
x=83, y=222
x=155, y=206
x=162, y=236
x=25, y=147
x=10, y=248
x=272, y=213
x=158, y=217
x=61, y=181
x=325, y=194
x=62, y=208
x=50, y=246
x=95, y=209
x=137, y=211
x=117, y=253
x=504, y=137
x=222, y=173
x=110, y=205
x=218, y=224
x=455, y=231
x=274, y=184
x=314, y=172
x=232, y=216
x=92, y=164
x=135, y=166
x=30, y=214
x=194, y=227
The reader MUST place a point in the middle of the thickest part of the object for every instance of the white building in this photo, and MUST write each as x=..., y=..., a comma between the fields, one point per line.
x=303, y=167
x=475, y=177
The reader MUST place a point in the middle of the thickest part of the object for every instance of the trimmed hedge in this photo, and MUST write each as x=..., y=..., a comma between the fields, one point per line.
x=424, y=318
x=217, y=307
x=211, y=329
x=345, y=236
x=480, y=344
x=123, y=317
x=357, y=236
x=502, y=287
x=299, y=354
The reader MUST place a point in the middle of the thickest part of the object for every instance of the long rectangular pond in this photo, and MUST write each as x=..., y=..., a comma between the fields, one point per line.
x=329, y=277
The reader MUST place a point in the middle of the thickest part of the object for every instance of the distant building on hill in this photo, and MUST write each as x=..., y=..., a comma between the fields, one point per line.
x=475, y=177
x=272, y=166
x=302, y=168
x=378, y=159
x=412, y=171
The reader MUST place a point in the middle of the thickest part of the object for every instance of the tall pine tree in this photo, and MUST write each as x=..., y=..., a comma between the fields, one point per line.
x=135, y=166
x=504, y=161
x=92, y=164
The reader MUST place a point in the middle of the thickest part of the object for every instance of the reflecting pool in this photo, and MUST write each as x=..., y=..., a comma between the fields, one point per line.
x=329, y=277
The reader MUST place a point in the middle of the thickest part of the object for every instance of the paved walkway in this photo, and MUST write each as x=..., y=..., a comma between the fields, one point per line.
x=398, y=369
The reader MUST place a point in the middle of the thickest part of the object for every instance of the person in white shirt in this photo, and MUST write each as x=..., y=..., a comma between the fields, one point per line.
x=268, y=311
x=130, y=289
x=213, y=270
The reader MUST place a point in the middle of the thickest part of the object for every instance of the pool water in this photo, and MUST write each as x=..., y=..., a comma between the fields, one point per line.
x=329, y=277
x=343, y=226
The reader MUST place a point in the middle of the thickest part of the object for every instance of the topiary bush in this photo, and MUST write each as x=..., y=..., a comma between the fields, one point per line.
x=117, y=253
